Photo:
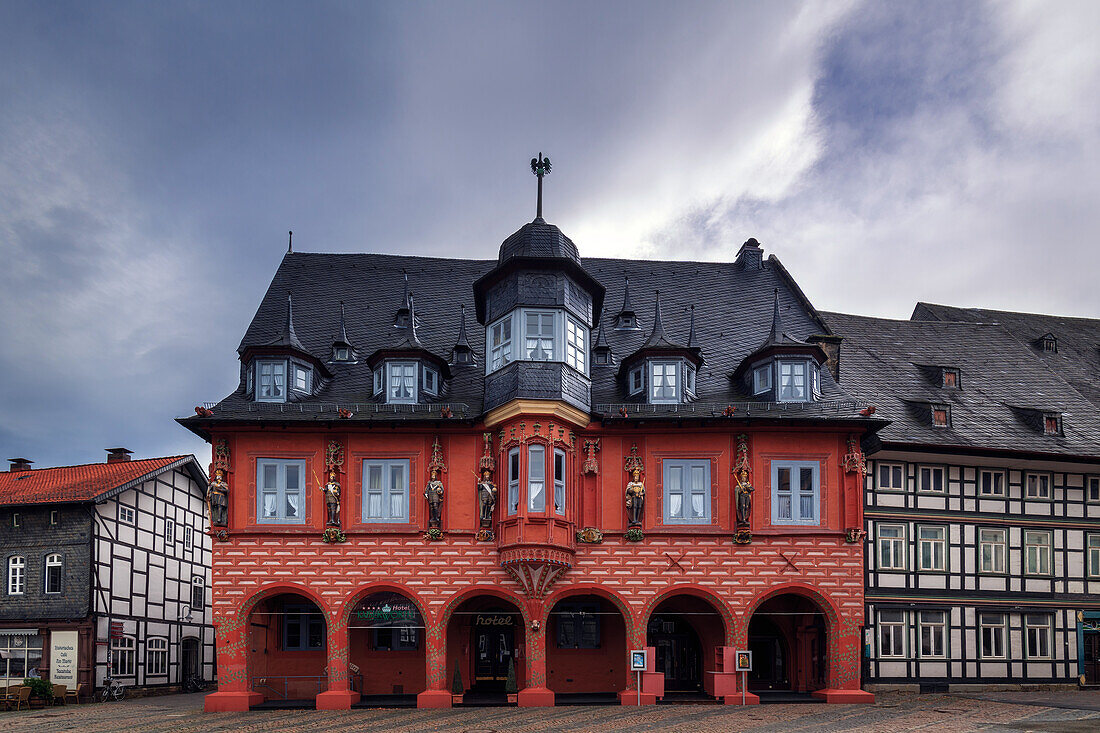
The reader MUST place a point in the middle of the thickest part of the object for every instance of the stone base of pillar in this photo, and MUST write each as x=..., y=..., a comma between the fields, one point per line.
x=231, y=702
x=630, y=697
x=845, y=696
x=434, y=699
x=337, y=700
x=536, y=697
x=735, y=699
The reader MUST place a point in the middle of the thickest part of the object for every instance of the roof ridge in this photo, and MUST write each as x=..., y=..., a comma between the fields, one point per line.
x=104, y=463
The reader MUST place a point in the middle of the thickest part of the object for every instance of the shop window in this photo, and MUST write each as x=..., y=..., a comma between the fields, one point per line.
x=932, y=549
x=795, y=492
x=20, y=657
x=891, y=547
x=930, y=480
x=1037, y=550
x=123, y=653
x=992, y=548
x=891, y=633
x=281, y=488
x=385, y=491
x=53, y=573
x=1037, y=633
x=992, y=630
x=303, y=628
x=687, y=492
x=933, y=633
x=156, y=656
x=1037, y=486
x=17, y=575
x=891, y=477
x=991, y=483
x=578, y=626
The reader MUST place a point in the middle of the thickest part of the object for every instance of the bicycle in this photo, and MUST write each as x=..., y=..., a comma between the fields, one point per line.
x=194, y=683
x=112, y=690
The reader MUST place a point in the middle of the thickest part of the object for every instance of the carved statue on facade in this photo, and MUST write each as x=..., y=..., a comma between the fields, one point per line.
x=331, y=490
x=217, y=496
x=433, y=492
x=744, y=504
x=742, y=471
x=486, y=497
x=635, y=498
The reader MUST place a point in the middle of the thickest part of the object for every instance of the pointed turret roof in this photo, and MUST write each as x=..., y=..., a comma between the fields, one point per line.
x=287, y=337
x=657, y=335
x=776, y=335
x=462, y=344
x=408, y=338
x=342, y=336
x=405, y=309
x=692, y=343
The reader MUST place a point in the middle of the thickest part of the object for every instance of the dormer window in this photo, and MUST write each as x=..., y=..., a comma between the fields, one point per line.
x=1050, y=343
x=941, y=416
x=636, y=380
x=544, y=335
x=601, y=357
x=431, y=381
x=341, y=353
x=378, y=378
x=1052, y=424
x=689, y=379
x=761, y=379
x=272, y=381
x=951, y=378
x=302, y=378
x=664, y=382
x=401, y=381
x=793, y=382
x=626, y=321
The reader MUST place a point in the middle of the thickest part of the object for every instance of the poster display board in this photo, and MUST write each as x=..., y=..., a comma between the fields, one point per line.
x=64, y=658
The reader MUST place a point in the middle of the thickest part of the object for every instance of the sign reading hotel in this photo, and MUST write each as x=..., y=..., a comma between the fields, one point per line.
x=63, y=658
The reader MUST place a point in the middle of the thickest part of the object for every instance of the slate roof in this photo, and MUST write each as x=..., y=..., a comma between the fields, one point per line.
x=88, y=482
x=1078, y=355
x=538, y=239
x=897, y=366
x=733, y=316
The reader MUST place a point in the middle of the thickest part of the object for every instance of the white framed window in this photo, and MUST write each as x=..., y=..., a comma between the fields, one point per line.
x=55, y=517
x=188, y=538
x=686, y=491
x=513, y=481
x=992, y=550
x=991, y=627
x=402, y=382
x=664, y=382
x=198, y=592
x=891, y=476
x=1092, y=547
x=379, y=378
x=636, y=380
x=795, y=492
x=933, y=633
x=576, y=349
x=761, y=379
x=169, y=534
x=272, y=381
x=1037, y=549
x=500, y=343
x=559, y=482
x=536, y=478
x=891, y=633
x=815, y=381
x=15, y=520
x=891, y=547
x=17, y=575
x=792, y=381
x=53, y=573
x=156, y=656
x=342, y=353
x=385, y=491
x=538, y=335
x=123, y=651
x=689, y=379
x=991, y=483
x=932, y=549
x=303, y=378
x=1037, y=485
x=280, y=485
x=930, y=480
x=1092, y=489
x=1037, y=632
x=431, y=381
x=125, y=514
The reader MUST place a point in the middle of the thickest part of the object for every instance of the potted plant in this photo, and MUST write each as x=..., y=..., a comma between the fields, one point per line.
x=457, y=690
x=510, y=684
x=41, y=689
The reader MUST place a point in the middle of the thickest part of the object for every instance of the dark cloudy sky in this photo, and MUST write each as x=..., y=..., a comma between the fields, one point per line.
x=154, y=155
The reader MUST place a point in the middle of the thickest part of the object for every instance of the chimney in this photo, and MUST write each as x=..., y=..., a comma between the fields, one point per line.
x=831, y=346
x=117, y=455
x=20, y=464
x=750, y=255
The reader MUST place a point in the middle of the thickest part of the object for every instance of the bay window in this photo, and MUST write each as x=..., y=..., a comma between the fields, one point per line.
x=792, y=381
x=545, y=473
x=575, y=349
x=543, y=335
x=272, y=381
x=536, y=478
x=559, y=482
x=500, y=344
x=513, y=481
x=538, y=334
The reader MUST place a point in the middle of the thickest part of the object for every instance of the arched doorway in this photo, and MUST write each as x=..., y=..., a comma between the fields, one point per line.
x=387, y=646
x=287, y=652
x=190, y=658
x=586, y=648
x=788, y=638
x=485, y=643
x=685, y=630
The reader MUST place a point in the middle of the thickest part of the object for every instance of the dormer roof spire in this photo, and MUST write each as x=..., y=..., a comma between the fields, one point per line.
x=342, y=337
x=540, y=166
x=462, y=340
x=691, y=344
x=288, y=337
x=402, y=315
x=657, y=336
x=290, y=243
x=777, y=319
x=627, y=307
x=462, y=353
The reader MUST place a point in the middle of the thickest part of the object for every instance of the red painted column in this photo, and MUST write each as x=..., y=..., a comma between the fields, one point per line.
x=234, y=690
x=438, y=694
x=536, y=693
x=338, y=696
x=842, y=664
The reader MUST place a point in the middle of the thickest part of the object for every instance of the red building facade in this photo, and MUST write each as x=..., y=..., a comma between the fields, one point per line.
x=749, y=536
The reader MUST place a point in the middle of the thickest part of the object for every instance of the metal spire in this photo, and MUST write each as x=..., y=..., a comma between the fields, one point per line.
x=540, y=166
x=691, y=331
x=290, y=243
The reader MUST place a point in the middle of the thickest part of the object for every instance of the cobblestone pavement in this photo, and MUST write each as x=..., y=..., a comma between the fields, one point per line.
x=893, y=712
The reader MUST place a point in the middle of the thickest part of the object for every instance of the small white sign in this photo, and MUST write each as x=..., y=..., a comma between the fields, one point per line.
x=64, y=658
x=638, y=660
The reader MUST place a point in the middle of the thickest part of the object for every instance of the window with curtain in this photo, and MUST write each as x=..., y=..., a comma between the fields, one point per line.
x=686, y=492
x=385, y=491
x=559, y=482
x=402, y=380
x=536, y=478
x=538, y=334
x=663, y=380
x=513, y=481
x=272, y=381
x=795, y=492
x=281, y=487
x=792, y=381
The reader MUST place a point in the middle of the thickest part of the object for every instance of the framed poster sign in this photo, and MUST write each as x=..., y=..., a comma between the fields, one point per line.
x=743, y=661
x=638, y=660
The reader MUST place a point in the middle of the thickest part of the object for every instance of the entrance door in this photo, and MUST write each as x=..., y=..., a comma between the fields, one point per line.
x=679, y=653
x=493, y=648
x=189, y=658
x=1091, y=659
x=769, y=661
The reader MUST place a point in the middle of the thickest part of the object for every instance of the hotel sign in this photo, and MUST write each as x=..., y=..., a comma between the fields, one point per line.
x=383, y=610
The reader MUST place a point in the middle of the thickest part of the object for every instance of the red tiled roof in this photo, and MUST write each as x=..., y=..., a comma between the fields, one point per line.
x=76, y=483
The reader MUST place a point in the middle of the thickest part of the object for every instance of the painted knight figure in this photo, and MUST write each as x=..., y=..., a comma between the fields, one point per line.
x=331, y=491
x=433, y=492
x=487, y=498
x=635, y=498
x=217, y=495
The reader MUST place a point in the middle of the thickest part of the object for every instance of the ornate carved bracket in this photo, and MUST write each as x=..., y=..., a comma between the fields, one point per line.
x=591, y=465
x=633, y=461
x=487, y=462
x=535, y=569
x=437, y=461
x=854, y=462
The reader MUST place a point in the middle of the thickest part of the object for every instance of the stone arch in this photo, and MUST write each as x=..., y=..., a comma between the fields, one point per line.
x=595, y=590
x=437, y=634
x=343, y=654
x=363, y=591
x=698, y=591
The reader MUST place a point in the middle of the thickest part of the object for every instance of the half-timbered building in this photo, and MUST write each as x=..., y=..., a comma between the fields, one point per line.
x=982, y=504
x=631, y=455
x=106, y=571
